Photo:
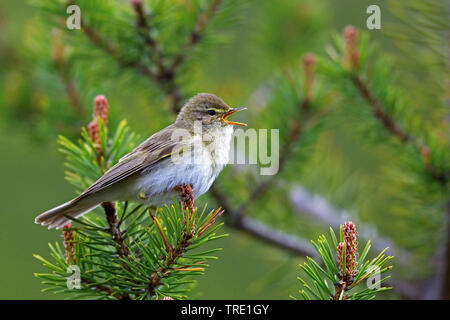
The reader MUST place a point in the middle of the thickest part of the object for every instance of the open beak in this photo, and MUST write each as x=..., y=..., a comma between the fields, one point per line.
x=229, y=113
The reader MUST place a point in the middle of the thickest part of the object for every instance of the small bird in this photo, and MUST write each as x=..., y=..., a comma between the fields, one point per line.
x=190, y=152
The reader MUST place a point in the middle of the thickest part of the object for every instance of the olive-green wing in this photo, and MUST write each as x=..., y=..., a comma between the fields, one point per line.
x=144, y=156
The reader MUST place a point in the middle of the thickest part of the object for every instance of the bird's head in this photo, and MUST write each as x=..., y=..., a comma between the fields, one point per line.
x=209, y=109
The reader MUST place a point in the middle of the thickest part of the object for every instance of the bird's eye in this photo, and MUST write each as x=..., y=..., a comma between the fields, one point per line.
x=211, y=112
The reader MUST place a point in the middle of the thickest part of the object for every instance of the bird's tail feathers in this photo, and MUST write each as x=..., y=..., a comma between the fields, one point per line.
x=57, y=217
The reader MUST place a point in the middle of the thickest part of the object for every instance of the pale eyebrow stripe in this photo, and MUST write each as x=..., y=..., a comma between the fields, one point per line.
x=215, y=109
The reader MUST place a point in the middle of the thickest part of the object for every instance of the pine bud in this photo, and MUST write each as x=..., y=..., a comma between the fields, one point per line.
x=425, y=153
x=101, y=108
x=309, y=62
x=351, y=59
x=351, y=250
x=68, y=244
x=351, y=242
x=94, y=133
x=57, y=47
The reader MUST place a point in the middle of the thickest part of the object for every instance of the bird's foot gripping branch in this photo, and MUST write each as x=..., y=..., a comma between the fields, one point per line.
x=121, y=250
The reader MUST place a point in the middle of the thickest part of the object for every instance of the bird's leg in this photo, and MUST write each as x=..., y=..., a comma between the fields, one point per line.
x=187, y=197
x=151, y=212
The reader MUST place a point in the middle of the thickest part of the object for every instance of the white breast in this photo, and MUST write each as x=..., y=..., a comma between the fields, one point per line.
x=157, y=183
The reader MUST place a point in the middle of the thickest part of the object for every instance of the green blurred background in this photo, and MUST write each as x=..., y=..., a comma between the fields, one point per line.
x=268, y=37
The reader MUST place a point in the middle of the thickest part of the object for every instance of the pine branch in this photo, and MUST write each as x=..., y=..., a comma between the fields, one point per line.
x=165, y=74
x=168, y=77
x=351, y=61
x=343, y=268
x=114, y=228
x=173, y=253
x=194, y=38
x=112, y=51
x=378, y=111
x=393, y=128
x=140, y=15
x=145, y=31
x=164, y=77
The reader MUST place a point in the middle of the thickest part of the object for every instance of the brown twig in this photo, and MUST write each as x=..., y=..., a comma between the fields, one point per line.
x=105, y=289
x=164, y=74
x=392, y=127
x=145, y=30
x=168, y=77
x=339, y=289
x=68, y=244
x=140, y=14
x=113, y=51
x=164, y=77
x=189, y=232
x=163, y=271
x=63, y=73
x=116, y=234
x=351, y=62
x=196, y=33
x=71, y=91
x=378, y=110
x=173, y=253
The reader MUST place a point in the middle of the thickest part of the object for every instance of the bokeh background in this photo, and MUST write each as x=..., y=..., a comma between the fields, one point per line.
x=373, y=182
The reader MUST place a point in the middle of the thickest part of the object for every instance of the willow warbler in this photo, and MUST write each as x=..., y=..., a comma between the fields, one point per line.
x=191, y=151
